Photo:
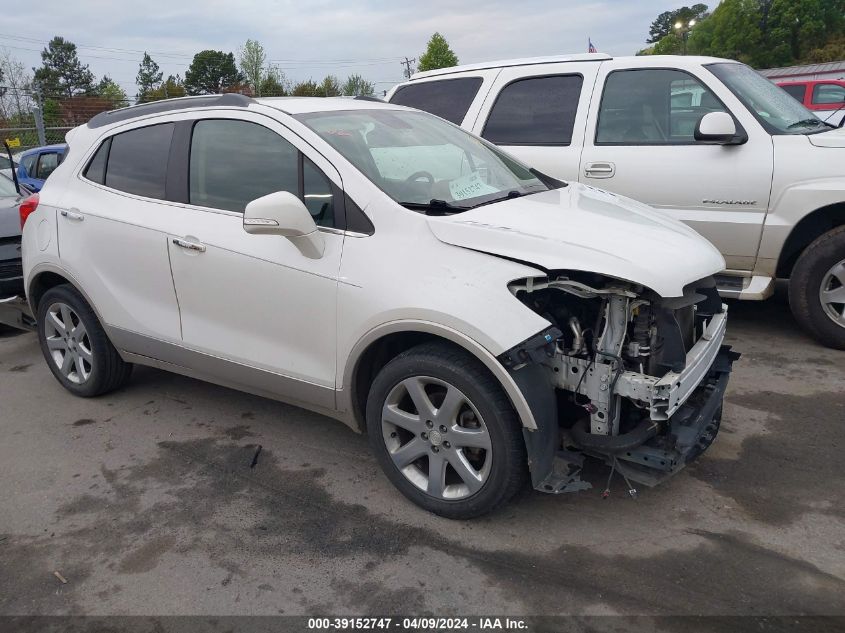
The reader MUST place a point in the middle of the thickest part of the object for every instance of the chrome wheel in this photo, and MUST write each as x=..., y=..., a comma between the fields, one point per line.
x=68, y=343
x=436, y=438
x=832, y=293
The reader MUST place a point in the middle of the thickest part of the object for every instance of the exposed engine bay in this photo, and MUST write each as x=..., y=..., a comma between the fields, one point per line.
x=637, y=379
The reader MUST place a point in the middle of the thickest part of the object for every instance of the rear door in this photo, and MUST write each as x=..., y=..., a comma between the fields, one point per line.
x=538, y=114
x=640, y=144
x=113, y=226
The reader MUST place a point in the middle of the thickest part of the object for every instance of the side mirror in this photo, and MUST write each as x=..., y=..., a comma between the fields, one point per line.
x=717, y=128
x=282, y=213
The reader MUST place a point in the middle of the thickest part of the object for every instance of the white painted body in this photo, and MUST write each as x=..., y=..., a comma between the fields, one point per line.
x=745, y=199
x=258, y=303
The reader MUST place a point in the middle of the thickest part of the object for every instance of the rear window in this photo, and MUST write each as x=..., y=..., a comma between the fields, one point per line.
x=137, y=161
x=449, y=98
x=535, y=111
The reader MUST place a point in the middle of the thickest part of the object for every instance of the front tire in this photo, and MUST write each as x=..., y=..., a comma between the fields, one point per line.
x=445, y=433
x=817, y=289
x=76, y=347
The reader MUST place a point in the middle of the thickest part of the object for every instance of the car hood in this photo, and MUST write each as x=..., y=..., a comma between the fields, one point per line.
x=833, y=138
x=582, y=228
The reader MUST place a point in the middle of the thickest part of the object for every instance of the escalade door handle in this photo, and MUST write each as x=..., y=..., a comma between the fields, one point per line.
x=600, y=170
x=72, y=214
x=191, y=246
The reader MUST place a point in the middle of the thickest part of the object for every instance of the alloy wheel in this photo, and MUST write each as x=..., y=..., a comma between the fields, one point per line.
x=436, y=438
x=832, y=293
x=68, y=343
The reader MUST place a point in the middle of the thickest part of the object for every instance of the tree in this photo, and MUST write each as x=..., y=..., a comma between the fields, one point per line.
x=109, y=89
x=305, y=89
x=330, y=87
x=211, y=72
x=664, y=24
x=252, y=58
x=149, y=77
x=171, y=88
x=61, y=72
x=437, y=54
x=274, y=83
x=15, y=99
x=356, y=85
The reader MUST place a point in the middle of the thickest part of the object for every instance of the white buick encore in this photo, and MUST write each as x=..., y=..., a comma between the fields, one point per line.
x=482, y=322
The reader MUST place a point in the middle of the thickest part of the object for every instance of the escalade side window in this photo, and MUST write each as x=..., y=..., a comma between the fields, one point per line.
x=449, y=99
x=234, y=162
x=138, y=160
x=535, y=111
x=652, y=107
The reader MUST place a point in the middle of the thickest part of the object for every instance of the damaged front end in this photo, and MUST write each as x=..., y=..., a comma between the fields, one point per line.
x=623, y=375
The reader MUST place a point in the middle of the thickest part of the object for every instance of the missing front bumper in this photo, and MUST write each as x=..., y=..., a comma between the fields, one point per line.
x=688, y=433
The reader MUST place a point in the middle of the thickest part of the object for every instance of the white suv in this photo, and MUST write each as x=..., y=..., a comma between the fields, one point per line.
x=705, y=140
x=384, y=267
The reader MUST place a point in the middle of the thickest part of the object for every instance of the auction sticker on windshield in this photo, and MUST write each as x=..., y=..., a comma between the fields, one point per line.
x=470, y=186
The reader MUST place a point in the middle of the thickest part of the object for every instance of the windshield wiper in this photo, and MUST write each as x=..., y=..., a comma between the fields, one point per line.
x=434, y=207
x=805, y=122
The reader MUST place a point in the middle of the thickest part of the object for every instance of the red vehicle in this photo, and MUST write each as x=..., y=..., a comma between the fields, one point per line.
x=825, y=97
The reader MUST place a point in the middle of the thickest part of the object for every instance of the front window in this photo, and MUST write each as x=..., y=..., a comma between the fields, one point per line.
x=775, y=109
x=421, y=161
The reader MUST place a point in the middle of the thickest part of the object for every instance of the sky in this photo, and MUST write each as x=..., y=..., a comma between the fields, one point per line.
x=309, y=40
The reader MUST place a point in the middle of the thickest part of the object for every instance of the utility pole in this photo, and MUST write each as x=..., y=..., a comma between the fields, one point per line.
x=38, y=111
x=407, y=64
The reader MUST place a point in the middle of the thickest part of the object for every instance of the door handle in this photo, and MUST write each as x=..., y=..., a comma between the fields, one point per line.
x=191, y=246
x=72, y=214
x=600, y=170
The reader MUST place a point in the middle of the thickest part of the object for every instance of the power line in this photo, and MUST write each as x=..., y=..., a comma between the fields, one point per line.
x=407, y=64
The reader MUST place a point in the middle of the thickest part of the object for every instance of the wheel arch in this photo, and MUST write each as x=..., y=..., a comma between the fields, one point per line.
x=385, y=342
x=45, y=276
x=808, y=229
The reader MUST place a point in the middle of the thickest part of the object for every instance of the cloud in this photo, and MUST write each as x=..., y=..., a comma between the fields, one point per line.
x=316, y=38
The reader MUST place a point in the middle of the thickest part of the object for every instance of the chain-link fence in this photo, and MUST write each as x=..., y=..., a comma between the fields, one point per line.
x=30, y=119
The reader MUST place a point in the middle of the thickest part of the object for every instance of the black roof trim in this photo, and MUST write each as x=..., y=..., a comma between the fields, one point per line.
x=169, y=105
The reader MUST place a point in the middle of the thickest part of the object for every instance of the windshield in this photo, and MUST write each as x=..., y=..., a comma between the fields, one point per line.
x=774, y=108
x=420, y=160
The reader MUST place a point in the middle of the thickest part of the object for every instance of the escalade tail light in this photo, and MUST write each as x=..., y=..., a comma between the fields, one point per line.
x=27, y=207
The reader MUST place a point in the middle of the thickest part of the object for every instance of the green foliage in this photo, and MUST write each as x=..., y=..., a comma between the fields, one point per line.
x=305, y=89
x=672, y=44
x=330, y=87
x=274, y=83
x=767, y=33
x=437, y=54
x=356, y=85
x=51, y=111
x=173, y=87
x=61, y=72
x=664, y=24
x=148, y=78
x=212, y=72
x=108, y=89
x=252, y=58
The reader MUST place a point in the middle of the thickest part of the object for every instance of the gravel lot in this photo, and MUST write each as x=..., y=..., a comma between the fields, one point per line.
x=145, y=502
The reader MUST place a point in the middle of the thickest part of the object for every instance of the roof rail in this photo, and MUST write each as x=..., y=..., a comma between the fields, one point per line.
x=230, y=99
x=368, y=98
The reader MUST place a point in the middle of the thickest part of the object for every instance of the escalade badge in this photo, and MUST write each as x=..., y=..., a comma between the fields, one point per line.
x=747, y=202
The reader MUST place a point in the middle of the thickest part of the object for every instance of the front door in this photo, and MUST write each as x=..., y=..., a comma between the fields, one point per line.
x=255, y=301
x=640, y=144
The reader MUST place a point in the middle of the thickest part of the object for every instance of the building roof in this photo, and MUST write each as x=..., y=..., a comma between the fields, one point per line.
x=808, y=69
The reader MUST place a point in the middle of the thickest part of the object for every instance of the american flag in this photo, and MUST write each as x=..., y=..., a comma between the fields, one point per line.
x=590, y=47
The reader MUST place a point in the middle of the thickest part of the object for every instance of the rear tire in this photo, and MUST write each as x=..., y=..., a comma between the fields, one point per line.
x=76, y=347
x=817, y=289
x=445, y=433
